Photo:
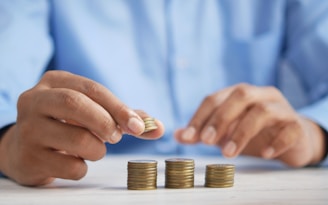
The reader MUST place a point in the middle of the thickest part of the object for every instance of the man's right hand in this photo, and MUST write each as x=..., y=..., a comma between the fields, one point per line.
x=62, y=121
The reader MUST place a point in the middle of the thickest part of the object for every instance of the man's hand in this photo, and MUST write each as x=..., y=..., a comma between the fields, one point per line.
x=64, y=120
x=256, y=121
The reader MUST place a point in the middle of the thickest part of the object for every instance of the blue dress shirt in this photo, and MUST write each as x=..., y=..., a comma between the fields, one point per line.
x=165, y=56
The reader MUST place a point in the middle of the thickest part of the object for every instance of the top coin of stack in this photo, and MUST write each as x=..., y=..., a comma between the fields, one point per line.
x=142, y=174
x=149, y=124
x=219, y=175
x=179, y=173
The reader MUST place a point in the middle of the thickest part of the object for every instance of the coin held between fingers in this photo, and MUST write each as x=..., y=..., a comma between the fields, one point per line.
x=149, y=124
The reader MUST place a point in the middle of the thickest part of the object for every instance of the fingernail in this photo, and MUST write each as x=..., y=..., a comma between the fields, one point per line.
x=268, y=153
x=115, y=137
x=188, y=134
x=208, y=136
x=136, y=125
x=229, y=149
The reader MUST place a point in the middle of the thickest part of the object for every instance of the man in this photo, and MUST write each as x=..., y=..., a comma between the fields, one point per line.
x=210, y=67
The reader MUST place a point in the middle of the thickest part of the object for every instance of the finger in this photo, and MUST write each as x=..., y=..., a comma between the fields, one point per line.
x=59, y=165
x=70, y=105
x=226, y=138
x=127, y=119
x=190, y=134
x=75, y=140
x=286, y=138
x=241, y=98
x=182, y=135
x=256, y=145
x=154, y=134
x=257, y=118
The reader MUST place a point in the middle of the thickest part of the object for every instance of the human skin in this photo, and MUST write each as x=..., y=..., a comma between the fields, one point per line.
x=256, y=121
x=63, y=121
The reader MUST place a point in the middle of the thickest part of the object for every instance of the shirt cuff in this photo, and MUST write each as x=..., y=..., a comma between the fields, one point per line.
x=3, y=176
x=317, y=112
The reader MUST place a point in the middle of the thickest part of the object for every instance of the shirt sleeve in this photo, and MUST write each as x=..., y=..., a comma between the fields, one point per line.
x=307, y=51
x=25, y=50
x=307, y=54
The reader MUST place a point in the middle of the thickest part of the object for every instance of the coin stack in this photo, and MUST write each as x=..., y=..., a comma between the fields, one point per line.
x=142, y=174
x=149, y=124
x=179, y=173
x=219, y=175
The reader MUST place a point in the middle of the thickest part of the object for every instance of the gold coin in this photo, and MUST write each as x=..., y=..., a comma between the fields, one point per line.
x=142, y=174
x=179, y=173
x=148, y=119
x=219, y=175
x=179, y=160
x=149, y=124
x=148, y=129
x=142, y=161
x=218, y=186
x=142, y=188
x=220, y=166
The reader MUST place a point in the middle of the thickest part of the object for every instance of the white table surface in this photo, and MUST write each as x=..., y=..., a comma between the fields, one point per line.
x=256, y=182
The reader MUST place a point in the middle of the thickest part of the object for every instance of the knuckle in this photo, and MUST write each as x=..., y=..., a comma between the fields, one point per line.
x=209, y=100
x=262, y=108
x=80, y=139
x=197, y=123
x=222, y=118
x=91, y=88
x=296, y=129
x=273, y=91
x=121, y=108
x=69, y=100
x=243, y=91
x=52, y=75
x=290, y=137
x=284, y=141
x=294, y=124
x=241, y=136
x=24, y=99
x=107, y=126
x=89, y=144
x=49, y=75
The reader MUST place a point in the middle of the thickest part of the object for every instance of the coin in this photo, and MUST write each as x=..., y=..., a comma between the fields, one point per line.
x=149, y=124
x=179, y=173
x=142, y=174
x=219, y=175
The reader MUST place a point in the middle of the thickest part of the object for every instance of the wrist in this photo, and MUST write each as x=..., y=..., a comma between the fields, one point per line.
x=319, y=143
